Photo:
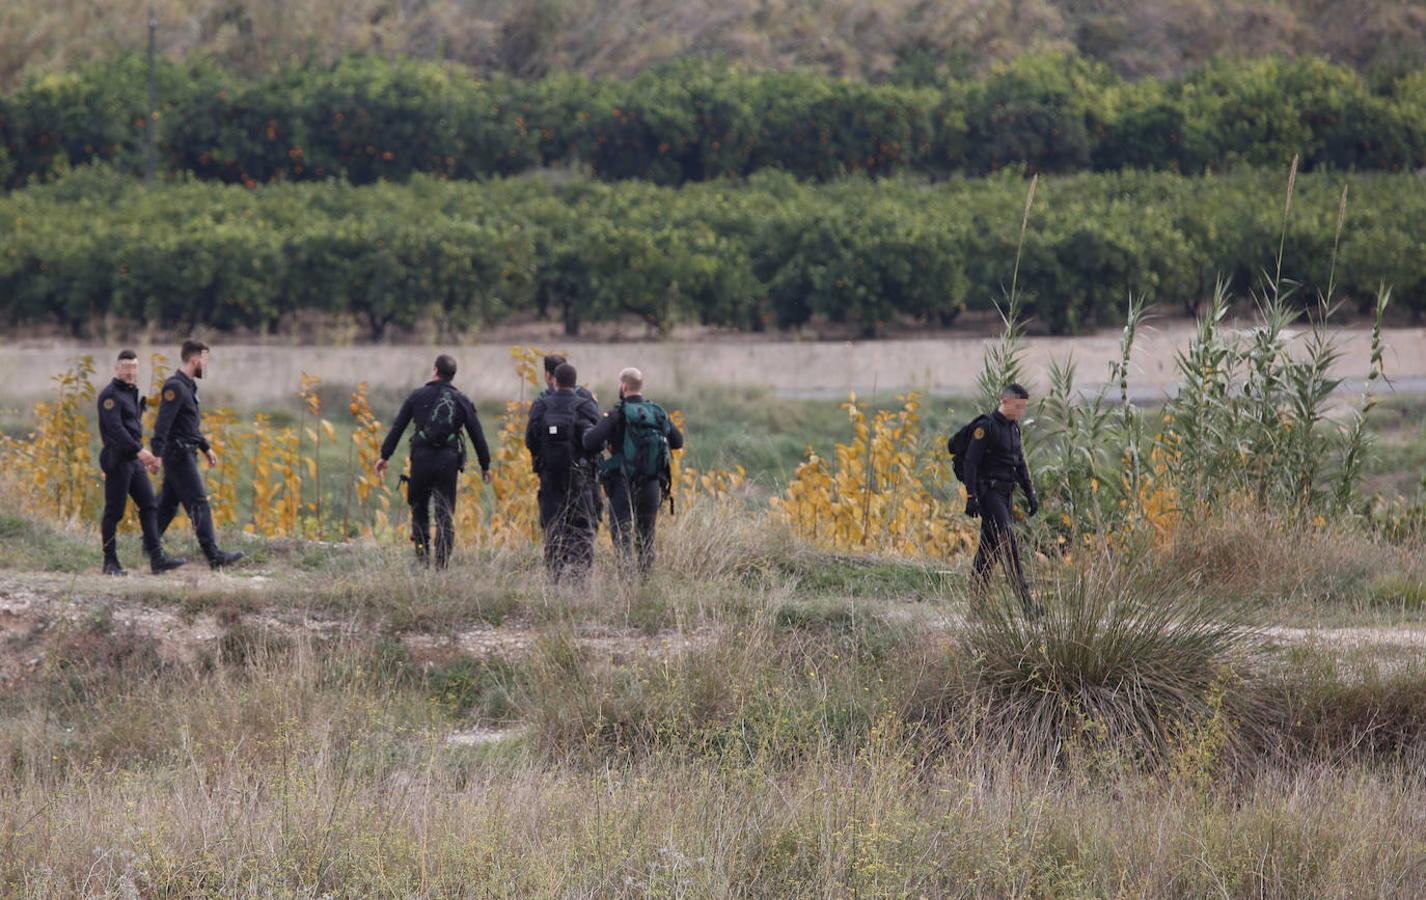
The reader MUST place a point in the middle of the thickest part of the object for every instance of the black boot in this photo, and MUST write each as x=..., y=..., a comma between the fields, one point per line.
x=161, y=562
x=220, y=558
x=112, y=567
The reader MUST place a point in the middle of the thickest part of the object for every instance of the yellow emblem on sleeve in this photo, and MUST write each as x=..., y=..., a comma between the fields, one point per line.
x=980, y=433
x=169, y=394
x=109, y=404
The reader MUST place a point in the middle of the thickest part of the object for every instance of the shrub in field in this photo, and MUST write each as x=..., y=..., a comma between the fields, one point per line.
x=1107, y=663
x=52, y=471
x=884, y=490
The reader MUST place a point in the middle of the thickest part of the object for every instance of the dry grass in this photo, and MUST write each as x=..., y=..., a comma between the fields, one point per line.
x=283, y=779
x=1287, y=567
x=814, y=729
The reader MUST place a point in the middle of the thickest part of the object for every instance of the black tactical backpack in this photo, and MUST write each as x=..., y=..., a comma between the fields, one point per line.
x=960, y=443
x=560, y=447
x=443, y=423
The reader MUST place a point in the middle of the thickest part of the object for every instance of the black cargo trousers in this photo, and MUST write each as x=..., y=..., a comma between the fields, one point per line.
x=997, y=538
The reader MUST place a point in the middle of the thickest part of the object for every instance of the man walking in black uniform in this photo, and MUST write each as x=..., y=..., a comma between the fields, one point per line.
x=554, y=436
x=177, y=438
x=596, y=497
x=994, y=465
x=126, y=464
x=437, y=456
x=636, y=475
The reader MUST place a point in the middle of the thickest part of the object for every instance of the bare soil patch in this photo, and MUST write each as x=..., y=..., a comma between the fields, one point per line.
x=253, y=375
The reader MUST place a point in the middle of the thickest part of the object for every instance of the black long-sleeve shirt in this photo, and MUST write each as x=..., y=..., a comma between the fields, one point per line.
x=995, y=454
x=121, y=426
x=179, y=427
x=610, y=430
x=418, y=407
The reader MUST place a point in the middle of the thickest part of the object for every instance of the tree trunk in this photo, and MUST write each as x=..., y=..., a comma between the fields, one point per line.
x=571, y=318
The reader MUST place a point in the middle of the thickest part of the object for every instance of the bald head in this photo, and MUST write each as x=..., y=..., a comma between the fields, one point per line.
x=631, y=381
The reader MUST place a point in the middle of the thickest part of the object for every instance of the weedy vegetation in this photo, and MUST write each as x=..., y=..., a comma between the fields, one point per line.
x=804, y=701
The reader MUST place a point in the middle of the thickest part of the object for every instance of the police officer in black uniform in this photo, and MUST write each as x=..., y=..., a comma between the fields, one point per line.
x=596, y=497
x=177, y=439
x=126, y=464
x=994, y=466
x=440, y=412
x=559, y=419
x=632, y=502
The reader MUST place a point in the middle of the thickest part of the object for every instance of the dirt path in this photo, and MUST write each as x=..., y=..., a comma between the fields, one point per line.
x=1349, y=637
x=37, y=610
x=947, y=364
x=36, y=607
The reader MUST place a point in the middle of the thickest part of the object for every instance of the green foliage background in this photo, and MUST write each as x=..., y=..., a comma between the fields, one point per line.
x=98, y=246
x=364, y=119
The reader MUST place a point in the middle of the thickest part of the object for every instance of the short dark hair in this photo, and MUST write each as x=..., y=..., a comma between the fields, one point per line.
x=1014, y=390
x=565, y=375
x=127, y=354
x=552, y=362
x=445, y=367
x=191, y=348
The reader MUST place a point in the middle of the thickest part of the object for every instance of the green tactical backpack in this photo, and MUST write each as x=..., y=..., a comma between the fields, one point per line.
x=645, y=453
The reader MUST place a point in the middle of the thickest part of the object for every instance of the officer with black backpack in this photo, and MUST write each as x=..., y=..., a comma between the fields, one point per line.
x=559, y=419
x=987, y=456
x=596, y=497
x=637, y=474
x=440, y=412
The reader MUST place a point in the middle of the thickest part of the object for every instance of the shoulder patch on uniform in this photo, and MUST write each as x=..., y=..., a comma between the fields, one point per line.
x=109, y=404
x=979, y=432
x=169, y=394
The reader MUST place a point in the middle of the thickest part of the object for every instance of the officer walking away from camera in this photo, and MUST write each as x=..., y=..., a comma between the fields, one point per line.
x=439, y=413
x=126, y=464
x=177, y=439
x=559, y=419
x=596, y=497
x=994, y=464
x=637, y=474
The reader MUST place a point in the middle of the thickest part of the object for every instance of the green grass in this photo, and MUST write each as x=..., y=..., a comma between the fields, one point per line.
x=1398, y=460
x=29, y=544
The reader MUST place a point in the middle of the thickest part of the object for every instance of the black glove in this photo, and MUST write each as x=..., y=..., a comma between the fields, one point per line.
x=1034, y=505
x=972, y=506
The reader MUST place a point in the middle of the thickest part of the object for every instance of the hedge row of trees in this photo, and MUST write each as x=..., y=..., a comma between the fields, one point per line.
x=770, y=253
x=365, y=119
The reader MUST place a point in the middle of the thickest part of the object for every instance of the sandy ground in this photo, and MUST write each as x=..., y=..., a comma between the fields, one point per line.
x=253, y=375
x=38, y=611
x=36, y=608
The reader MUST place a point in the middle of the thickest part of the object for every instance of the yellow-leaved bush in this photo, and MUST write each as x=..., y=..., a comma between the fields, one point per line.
x=270, y=479
x=884, y=491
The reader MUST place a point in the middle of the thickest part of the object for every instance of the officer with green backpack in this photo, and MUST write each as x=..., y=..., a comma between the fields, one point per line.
x=440, y=413
x=637, y=474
